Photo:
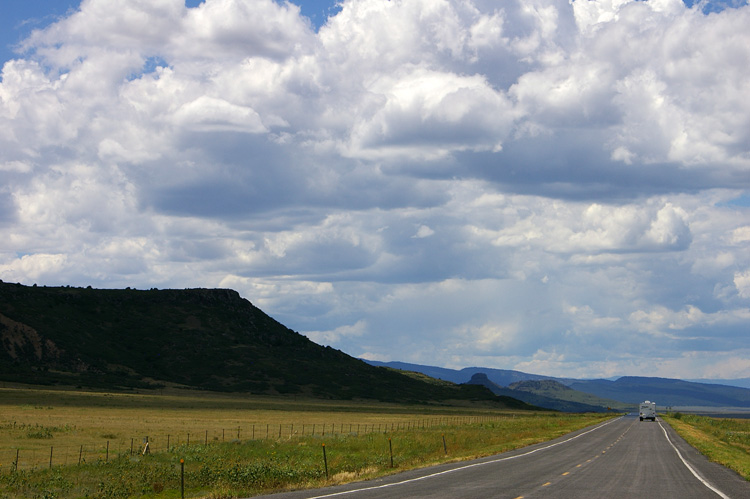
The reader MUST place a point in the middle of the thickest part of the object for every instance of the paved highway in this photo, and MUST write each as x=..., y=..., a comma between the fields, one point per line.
x=619, y=458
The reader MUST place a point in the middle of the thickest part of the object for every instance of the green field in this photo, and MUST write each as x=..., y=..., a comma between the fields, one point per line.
x=66, y=444
x=722, y=440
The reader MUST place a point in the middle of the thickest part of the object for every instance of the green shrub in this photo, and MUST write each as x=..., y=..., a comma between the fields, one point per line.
x=39, y=432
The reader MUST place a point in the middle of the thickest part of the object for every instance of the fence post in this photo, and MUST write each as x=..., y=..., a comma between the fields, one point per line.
x=206, y=437
x=390, y=447
x=445, y=447
x=80, y=455
x=182, y=478
x=325, y=459
x=15, y=465
x=50, y=457
x=106, y=456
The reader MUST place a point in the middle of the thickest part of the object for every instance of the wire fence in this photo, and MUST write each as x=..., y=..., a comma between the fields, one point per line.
x=37, y=455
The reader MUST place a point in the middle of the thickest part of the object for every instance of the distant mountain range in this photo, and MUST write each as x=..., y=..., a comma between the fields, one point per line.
x=213, y=339
x=550, y=394
x=593, y=394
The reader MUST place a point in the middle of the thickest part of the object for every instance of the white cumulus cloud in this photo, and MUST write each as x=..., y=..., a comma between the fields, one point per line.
x=533, y=181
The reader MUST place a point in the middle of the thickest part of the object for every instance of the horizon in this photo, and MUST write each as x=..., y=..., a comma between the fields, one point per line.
x=708, y=381
x=553, y=187
x=616, y=377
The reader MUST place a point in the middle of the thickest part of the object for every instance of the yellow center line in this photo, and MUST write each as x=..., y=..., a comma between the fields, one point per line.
x=548, y=483
x=567, y=472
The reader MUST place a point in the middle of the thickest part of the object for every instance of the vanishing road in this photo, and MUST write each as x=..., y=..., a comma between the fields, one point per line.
x=621, y=458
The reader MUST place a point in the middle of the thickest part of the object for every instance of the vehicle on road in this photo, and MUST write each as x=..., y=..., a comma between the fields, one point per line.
x=647, y=410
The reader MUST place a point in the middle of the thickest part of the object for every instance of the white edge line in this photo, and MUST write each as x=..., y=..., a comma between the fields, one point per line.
x=695, y=473
x=354, y=491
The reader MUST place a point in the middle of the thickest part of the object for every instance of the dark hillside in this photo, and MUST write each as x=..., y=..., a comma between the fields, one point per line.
x=211, y=339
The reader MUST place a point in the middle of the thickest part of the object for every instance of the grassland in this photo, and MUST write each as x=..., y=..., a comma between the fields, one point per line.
x=235, y=446
x=722, y=440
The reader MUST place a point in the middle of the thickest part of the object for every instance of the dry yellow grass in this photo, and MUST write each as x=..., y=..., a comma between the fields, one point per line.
x=73, y=425
x=34, y=422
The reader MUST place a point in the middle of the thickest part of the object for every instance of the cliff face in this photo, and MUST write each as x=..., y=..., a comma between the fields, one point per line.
x=20, y=341
x=205, y=338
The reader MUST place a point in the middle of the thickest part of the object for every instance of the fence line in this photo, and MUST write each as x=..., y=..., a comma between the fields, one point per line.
x=42, y=456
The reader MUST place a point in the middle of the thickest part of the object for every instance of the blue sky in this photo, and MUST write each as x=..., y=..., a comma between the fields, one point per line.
x=20, y=17
x=560, y=188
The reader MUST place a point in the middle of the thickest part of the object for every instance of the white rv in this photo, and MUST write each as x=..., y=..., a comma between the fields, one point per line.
x=647, y=410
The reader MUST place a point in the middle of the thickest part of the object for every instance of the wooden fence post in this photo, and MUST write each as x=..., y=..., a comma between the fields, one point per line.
x=325, y=459
x=182, y=478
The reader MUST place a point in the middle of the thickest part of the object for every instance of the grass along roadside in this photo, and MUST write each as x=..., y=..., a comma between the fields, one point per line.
x=39, y=426
x=722, y=440
x=244, y=467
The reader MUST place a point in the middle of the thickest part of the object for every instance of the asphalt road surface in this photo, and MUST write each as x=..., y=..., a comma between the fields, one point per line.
x=624, y=457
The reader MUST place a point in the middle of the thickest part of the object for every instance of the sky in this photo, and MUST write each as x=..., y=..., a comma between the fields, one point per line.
x=558, y=187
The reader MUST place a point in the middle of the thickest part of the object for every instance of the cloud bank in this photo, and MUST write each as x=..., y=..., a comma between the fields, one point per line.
x=552, y=186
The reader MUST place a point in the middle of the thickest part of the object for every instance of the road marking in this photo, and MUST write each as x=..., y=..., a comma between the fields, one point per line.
x=566, y=473
x=695, y=473
x=548, y=483
x=354, y=491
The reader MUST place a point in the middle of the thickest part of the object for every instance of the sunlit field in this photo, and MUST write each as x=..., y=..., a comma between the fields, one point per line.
x=722, y=440
x=67, y=444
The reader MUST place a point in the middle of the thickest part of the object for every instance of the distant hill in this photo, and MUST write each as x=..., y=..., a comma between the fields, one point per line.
x=502, y=377
x=560, y=398
x=666, y=392
x=209, y=339
x=555, y=390
x=627, y=391
x=739, y=382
